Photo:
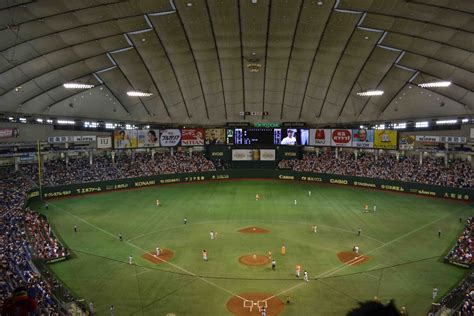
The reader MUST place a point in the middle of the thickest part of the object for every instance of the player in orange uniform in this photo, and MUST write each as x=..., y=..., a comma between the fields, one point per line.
x=298, y=270
x=283, y=250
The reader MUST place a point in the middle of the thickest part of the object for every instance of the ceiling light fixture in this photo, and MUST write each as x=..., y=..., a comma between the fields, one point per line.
x=74, y=85
x=370, y=93
x=438, y=84
x=139, y=94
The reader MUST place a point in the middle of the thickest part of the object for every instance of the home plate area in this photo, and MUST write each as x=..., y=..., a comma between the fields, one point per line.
x=251, y=304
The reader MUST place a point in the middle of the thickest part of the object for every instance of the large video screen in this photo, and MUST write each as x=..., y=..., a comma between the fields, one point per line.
x=267, y=136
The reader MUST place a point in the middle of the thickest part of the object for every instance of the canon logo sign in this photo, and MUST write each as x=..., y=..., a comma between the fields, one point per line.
x=341, y=136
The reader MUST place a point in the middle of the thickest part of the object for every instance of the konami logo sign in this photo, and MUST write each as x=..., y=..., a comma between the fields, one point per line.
x=341, y=136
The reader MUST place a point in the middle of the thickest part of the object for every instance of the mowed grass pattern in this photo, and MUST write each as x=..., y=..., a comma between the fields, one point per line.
x=401, y=239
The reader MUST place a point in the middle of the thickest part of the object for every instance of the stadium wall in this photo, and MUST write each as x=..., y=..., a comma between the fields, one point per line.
x=386, y=185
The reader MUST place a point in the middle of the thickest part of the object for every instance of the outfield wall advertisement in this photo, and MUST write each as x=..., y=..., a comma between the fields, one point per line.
x=385, y=139
x=192, y=137
x=386, y=185
x=341, y=138
x=170, y=137
x=363, y=138
x=125, y=139
x=148, y=138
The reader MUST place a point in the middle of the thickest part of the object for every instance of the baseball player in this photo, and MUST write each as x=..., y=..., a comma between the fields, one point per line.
x=130, y=259
x=274, y=263
x=298, y=270
x=204, y=255
x=211, y=234
x=355, y=250
x=315, y=228
x=305, y=276
x=158, y=203
x=435, y=293
x=296, y=202
x=158, y=251
x=283, y=250
x=257, y=197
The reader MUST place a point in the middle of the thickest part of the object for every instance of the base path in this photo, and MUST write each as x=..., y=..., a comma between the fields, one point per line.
x=351, y=258
x=165, y=256
x=253, y=230
x=250, y=304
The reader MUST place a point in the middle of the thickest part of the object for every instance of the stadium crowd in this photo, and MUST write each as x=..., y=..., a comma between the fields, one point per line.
x=460, y=299
x=385, y=166
x=24, y=235
x=462, y=251
x=79, y=170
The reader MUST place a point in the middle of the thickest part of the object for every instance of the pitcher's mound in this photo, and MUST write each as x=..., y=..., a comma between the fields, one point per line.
x=254, y=260
x=165, y=256
x=250, y=304
x=254, y=230
x=351, y=258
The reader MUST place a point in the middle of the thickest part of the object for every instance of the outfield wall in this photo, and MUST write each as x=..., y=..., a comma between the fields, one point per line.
x=286, y=175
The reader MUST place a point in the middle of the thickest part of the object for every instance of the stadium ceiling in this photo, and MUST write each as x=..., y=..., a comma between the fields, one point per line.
x=209, y=61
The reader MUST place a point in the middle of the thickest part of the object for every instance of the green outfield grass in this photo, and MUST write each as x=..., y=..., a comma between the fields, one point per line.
x=401, y=239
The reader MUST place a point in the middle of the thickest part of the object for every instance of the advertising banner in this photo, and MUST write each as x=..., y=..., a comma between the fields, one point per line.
x=453, y=139
x=192, y=137
x=170, y=137
x=9, y=132
x=71, y=139
x=124, y=139
x=363, y=138
x=427, y=140
x=341, y=137
x=385, y=139
x=267, y=154
x=104, y=142
x=243, y=154
x=148, y=138
x=320, y=137
x=215, y=136
x=406, y=142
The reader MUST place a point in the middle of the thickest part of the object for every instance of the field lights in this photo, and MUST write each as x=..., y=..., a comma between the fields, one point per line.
x=139, y=94
x=74, y=85
x=439, y=84
x=370, y=93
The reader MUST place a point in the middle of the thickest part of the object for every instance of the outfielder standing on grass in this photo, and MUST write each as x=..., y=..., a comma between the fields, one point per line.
x=204, y=255
x=274, y=263
x=130, y=259
x=298, y=270
x=435, y=293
